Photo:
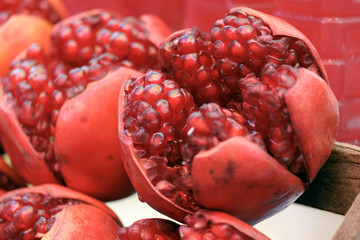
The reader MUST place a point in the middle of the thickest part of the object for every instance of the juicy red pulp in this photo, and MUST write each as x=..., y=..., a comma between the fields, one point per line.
x=40, y=8
x=29, y=215
x=38, y=84
x=242, y=74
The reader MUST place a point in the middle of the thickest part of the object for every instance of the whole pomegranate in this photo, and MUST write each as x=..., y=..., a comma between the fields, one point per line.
x=23, y=22
x=239, y=121
x=58, y=111
x=54, y=212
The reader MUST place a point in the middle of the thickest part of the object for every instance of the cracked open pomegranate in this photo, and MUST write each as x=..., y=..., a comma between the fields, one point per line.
x=239, y=120
x=23, y=22
x=201, y=225
x=58, y=111
x=54, y=212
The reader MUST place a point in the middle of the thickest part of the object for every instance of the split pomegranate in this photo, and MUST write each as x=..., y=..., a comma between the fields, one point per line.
x=201, y=225
x=61, y=104
x=254, y=118
x=54, y=212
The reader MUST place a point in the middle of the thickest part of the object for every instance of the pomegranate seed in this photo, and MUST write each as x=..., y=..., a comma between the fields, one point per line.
x=26, y=214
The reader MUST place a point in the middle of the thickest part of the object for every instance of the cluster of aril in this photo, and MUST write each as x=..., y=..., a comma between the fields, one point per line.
x=200, y=227
x=150, y=228
x=240, y=74
x=81, y=52
x=188, y=60
x=40, y=8
x=29, y=215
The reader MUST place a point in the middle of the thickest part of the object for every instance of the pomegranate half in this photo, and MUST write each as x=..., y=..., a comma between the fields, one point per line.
x=54, y=212
x=239, y=121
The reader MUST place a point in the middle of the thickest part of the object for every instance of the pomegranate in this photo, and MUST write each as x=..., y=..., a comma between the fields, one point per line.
x=201, y=225
x=58, y=111
x=239, y=121
x=24, y=22
x=54, y=212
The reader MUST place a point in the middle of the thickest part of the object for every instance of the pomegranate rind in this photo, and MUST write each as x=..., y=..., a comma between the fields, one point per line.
x=245, y=182
x=26, y=161
x=82, y=222
x=86, y=142
x=157, y=28
x=143, y=186
x=314, y=114
x=221, y=217
x=280, y=27
x=58, y=191
x=19, y=32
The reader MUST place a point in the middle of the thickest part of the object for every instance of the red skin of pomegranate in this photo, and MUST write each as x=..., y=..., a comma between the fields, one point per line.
x=90, y=219
x=86, y=141
x=82, y=134
x=238, y=177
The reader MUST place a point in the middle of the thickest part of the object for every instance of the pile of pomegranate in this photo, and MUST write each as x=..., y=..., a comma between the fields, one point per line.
x=216, y=130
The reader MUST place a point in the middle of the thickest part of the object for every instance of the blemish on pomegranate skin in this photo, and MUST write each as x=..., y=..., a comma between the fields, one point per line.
x=84, y=119
x=111, y=157
x=230, y=169
x=211, y=172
